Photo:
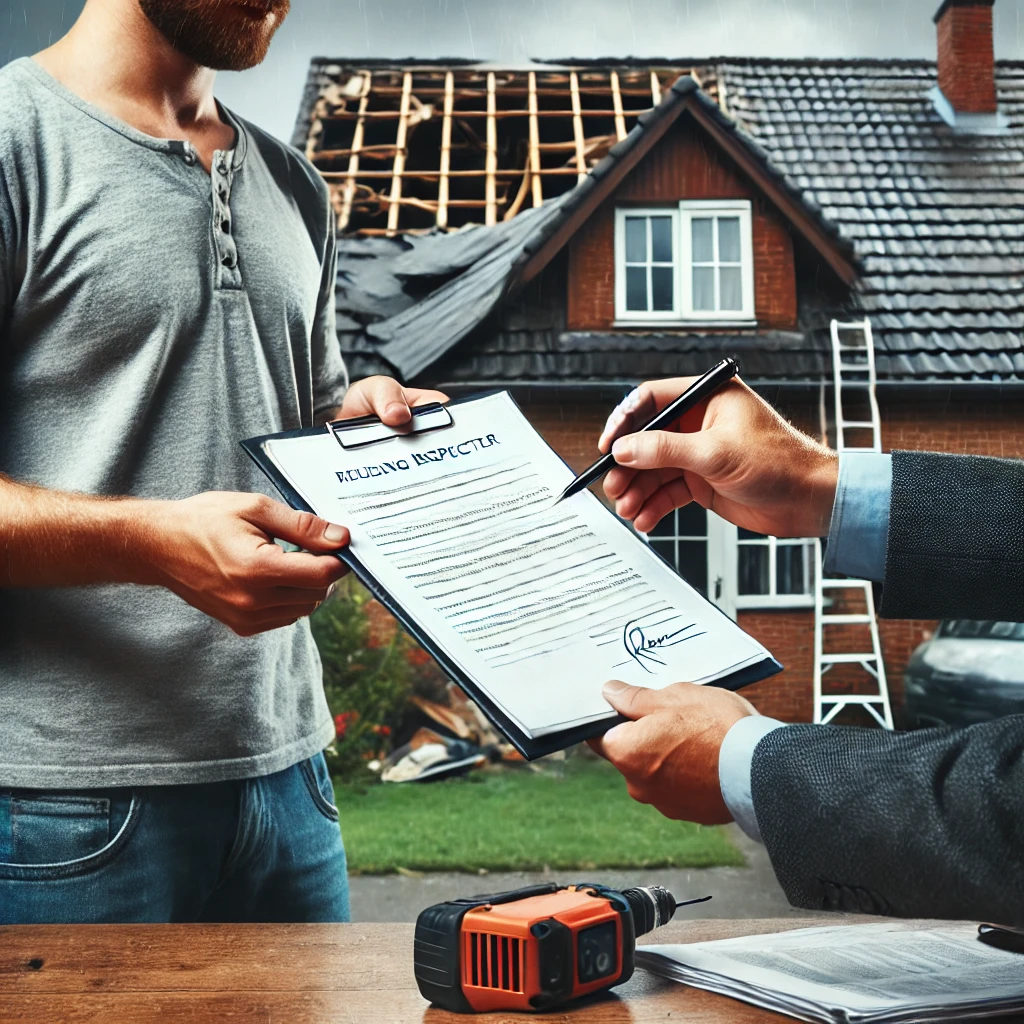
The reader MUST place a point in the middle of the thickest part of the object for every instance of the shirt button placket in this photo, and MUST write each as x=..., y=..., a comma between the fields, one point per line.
x=228, y=275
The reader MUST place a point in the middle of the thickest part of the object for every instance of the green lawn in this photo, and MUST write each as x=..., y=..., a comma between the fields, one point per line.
x=515, y=819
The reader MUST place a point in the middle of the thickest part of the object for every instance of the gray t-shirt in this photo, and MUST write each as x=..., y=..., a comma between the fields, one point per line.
x=151, y=316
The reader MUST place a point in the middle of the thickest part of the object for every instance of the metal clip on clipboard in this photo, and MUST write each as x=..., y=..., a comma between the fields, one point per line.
x=363, y=431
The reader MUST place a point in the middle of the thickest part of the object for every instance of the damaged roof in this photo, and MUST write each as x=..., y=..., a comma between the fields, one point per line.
x=408, y=300
x=932, y=219
x=418, y=145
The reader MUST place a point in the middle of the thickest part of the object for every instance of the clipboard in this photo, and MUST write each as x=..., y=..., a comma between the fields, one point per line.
x=369, y=431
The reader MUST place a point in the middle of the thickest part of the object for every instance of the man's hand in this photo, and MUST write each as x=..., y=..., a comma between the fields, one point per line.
x=668, y=751
x=217, y=552
x=733, y=454
x=386, y=398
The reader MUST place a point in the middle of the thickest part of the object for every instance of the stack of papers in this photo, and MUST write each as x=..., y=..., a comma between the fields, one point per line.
x=874, y=972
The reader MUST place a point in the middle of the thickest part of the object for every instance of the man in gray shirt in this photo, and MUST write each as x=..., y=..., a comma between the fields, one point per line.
x=166, y=288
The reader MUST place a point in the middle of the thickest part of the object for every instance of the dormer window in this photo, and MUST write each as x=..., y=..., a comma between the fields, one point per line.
x=689, y=263
x=647, y=258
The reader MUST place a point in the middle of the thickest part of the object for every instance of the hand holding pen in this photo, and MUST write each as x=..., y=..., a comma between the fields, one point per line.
x=692, y=396
x=732, y=453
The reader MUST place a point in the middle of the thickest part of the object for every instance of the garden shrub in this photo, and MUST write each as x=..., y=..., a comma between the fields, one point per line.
x=371, y=668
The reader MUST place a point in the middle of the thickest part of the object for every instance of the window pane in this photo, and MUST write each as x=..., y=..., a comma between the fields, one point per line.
x=636, y=239
x=693, y=520
x=636, y=288
x=693, y=564
x=662, y=288
x=731, y=288
x=661, y=239
x=790, y=560
x=753, y=569
x=703, y=287
x=667, y=550
x=665, y=528
x=728, y=239
x=750, y=535
x=703, y=243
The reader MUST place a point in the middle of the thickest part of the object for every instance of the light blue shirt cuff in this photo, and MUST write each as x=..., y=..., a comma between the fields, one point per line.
x=734, y=763
x=859, y=531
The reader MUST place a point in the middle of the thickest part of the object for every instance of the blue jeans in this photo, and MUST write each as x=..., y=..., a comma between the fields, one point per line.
x=263, y=849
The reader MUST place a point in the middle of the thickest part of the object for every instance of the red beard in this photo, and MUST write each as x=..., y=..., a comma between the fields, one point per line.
x=227, y=35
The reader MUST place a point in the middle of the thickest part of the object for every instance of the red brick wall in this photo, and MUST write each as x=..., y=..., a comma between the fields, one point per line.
x=682, y=166
x=966, y=63
x=571, y=428
x=789, y=635
x=994, y=427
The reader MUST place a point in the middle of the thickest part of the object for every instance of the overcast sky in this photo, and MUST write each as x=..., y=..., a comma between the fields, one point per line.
x=516, y=31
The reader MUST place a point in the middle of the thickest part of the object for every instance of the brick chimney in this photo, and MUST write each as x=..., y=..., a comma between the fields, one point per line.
x=966, y=61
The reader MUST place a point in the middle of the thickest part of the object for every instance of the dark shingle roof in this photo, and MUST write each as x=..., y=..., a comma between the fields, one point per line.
x=936, y=217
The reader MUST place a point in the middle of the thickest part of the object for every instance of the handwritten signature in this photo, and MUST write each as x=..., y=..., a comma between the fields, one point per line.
x=641, y=648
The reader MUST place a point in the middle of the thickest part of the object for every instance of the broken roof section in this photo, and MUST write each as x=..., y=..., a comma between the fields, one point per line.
x=416, y=147
x=418, y=297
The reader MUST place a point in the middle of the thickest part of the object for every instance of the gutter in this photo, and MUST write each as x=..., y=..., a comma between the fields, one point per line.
x=617, y=388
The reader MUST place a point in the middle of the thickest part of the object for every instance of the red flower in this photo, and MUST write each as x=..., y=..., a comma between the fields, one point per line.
x=341, y=722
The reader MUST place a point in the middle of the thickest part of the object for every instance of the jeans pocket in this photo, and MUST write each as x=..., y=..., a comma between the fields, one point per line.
x=47, y=835
x=318, y=782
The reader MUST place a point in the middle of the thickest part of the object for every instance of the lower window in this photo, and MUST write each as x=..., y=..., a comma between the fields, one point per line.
x=735, y=569
x=773, y=570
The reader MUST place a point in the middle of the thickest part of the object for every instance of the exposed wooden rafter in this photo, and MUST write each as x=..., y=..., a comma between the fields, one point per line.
x=349, y=190
x=655, y=88
x=534, y=158
x=577, y=125
x=620, y=118
x=446, y=151
x=400, y=153
x=491, y=214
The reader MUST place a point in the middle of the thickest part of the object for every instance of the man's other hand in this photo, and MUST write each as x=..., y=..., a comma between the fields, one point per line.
x=733, y=454
x=217, y=552
x=386, y=398
x=668, y=751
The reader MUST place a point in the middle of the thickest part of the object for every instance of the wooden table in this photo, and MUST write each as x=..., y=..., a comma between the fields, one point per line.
x=294, y=974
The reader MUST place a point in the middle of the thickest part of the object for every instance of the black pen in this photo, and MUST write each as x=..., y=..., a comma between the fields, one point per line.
x=704, y=387
x=1002, y=937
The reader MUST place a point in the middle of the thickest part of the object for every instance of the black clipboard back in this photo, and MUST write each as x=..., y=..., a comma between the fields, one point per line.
x=531, y=747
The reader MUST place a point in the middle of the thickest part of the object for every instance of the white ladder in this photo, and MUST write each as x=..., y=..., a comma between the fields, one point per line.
x=853, y=371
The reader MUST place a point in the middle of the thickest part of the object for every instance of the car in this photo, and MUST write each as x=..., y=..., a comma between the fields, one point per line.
x=969, y=671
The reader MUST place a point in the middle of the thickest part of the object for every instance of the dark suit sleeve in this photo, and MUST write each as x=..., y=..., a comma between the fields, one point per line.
x=924, y=824
x=956, y=538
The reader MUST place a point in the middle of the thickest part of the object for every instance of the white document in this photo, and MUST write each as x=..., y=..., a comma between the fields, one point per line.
x=873, y=972
x=538, y=603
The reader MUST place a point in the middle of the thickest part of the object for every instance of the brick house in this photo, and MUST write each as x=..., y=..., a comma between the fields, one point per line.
x=637, y=221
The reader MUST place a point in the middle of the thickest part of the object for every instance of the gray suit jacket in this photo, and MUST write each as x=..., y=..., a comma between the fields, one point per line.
x=930, y=823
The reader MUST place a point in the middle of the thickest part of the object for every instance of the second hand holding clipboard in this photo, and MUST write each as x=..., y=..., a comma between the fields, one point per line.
x=702, y=388
x=363, y=431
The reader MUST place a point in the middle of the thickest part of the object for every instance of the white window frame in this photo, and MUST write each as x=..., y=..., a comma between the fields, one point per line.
x=644, y=316
x=688, y=210
x=774, y=599
x=683, y=312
